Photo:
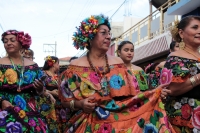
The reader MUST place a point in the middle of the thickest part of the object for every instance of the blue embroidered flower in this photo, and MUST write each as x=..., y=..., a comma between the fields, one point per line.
x=29, y=77
x=112, y=105
x=45, y=107
x=101, y=113
x=116, y=82
x=2, y=122
x=150, y=128
x=40, y=74
x=12, y=127
x=19, y=101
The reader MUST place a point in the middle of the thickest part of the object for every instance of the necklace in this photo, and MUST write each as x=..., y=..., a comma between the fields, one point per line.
x=53, y=77
x=198, y=58
x=101, y=75
x=21, y=72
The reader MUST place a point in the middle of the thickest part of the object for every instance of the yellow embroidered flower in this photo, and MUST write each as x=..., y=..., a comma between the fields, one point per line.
x=1, y=76
x=22, y=114
x=11, y=76
x=86, y=90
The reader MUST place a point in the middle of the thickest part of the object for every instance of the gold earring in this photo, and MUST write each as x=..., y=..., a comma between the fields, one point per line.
x=182, y=44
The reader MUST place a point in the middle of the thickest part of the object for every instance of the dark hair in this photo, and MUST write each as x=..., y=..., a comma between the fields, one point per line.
x=73, y=58
x=119, y=48
x=172, y=45
x=46, y=66
x=106, y=22
x=182, y=25
x=151, y=67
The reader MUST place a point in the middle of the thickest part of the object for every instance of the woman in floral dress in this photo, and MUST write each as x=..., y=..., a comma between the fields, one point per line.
x=183, y=105
x=125, y=51
x=19, y=84
x=100, y=93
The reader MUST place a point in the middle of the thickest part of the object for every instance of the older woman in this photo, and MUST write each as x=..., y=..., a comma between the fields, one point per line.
x=19, y=84
x=99, y=91
x=183, y=106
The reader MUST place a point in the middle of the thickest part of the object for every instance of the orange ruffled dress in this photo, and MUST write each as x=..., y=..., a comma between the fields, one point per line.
x=121, y=108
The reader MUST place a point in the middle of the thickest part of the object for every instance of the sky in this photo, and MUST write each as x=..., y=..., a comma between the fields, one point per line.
x=54, y=21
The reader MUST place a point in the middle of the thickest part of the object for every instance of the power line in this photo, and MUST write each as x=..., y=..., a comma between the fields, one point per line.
x=118, y=9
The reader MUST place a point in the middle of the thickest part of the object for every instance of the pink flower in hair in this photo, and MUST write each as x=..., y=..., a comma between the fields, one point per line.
x=26, y=41
x=20, y=35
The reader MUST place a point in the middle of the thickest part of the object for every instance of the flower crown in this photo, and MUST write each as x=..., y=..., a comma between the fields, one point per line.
x=87, y=30
x=24, y=39
x=49, y=61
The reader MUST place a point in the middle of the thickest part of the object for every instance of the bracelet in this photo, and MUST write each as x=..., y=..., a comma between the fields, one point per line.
x=72, y=105
x=48, y=96
x=193, y=81
x=197, y=77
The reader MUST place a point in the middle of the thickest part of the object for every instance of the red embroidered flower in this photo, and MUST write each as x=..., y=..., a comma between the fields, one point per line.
x=136, y=104
x=94, y=78
x=105, y=128
x=196, y=117
x=186, y=111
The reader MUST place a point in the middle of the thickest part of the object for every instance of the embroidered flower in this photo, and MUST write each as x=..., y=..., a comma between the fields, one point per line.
x=116, y=82
x=1, y=76
x=191, y=101
x=3, y=114
x=94, y=78
x=19, y=101
x=101, y=113
x=22, y=114
x=2, y=122
x=63, y=115
x=196, y=117
x=105, y=128
x=37, y=128
x=150, y=128
x=11, y=76
x=66, y=92
x=198, y=65
x=14, y=127
x=136, y=104
x=17, y=109
x=177, y=105
x=86, y=90
x=135, y=83
x=166, y=122
x=186, y=111
x=32, y=122
x=184, y=100
x=196, y=130
x=45, y=107
x=193, y=71
x=29, y=77
x=166, y=76
x=40, y=74
x=112, y=105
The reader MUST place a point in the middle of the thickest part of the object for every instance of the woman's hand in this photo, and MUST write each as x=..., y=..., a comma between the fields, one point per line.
x=54, y=92
x=52, y=99
x=6, y=104
x=88, y=104
x=164, y=92
x=38, y=85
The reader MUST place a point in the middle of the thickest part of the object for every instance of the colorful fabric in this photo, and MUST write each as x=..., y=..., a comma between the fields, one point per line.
x=153, y=78
x=183, y=110
x=121, y=108
x=24, y=116
x=141, y=80
x=55, y=114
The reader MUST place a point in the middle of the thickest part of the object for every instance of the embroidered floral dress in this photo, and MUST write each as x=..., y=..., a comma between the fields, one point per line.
x=153, y=77
x=24, y=116
x=140, y=80
x=183, y=111
x=55, y=114
x=119, y=109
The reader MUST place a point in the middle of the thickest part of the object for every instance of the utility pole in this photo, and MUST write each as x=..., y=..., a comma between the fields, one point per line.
x=50, y=48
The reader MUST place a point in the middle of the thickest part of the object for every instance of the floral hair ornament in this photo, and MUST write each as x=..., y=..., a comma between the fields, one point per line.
x=24, y=39
x=87, y=30
x=49, y=60
x=166, y=76
x=174, y=29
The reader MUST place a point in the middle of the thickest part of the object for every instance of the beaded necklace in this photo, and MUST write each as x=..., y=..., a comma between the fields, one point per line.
x=21, y=72
x=101, y=75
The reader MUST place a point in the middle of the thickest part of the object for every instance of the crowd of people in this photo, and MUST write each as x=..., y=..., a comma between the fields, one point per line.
x=99, y=93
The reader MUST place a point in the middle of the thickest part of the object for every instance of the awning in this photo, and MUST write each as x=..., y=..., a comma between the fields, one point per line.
x=151, y=49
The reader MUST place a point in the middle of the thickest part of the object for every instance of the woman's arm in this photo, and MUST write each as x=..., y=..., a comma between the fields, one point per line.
x=181, y=88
